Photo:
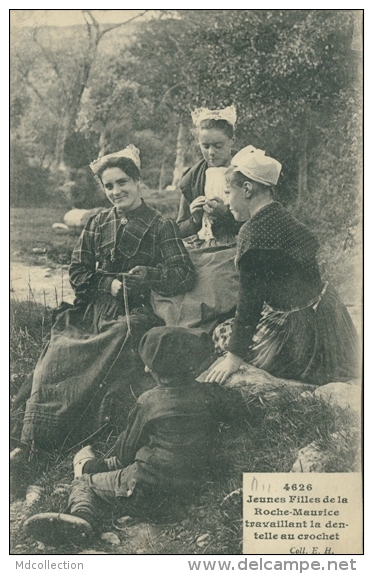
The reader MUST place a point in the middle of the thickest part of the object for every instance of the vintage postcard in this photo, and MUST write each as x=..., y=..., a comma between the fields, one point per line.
x=186, y=283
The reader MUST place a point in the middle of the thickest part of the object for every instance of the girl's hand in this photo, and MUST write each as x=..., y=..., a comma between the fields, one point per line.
x=223, y=370
x=215, y=207
x=116, y=287
x=196, y=208
x=136, y=276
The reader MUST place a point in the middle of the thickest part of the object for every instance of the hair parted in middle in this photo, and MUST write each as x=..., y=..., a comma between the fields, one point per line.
x=222, y=119
x=126, y=164
x=222, y=125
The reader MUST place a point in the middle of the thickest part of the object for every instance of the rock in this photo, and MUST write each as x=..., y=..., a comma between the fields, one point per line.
x=311, y=459
x=339, y=442
x=202, y=540
x=110, y=538
x=79, y=217
x=62, y=489
x=335, y=449
x=252, y=382
x=60, y=228
x=33, y=494
x=342, y=395
x=74, y=218
x=39, y=250
x=123, y=522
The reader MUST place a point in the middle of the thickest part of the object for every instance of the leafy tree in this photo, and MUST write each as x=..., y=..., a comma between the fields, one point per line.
x=58, y=75
x=160, y=63
x=289, y=72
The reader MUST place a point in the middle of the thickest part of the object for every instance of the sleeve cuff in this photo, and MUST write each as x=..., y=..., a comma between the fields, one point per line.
x=188, y=227
x=153, y=274
x=239, y=343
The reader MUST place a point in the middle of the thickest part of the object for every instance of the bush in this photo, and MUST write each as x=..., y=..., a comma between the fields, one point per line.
x=84, y=191
x=28, y=183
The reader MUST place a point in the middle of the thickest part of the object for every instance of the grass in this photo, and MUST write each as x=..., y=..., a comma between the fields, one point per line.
x=32, y=228
x=30, y=325
x=266, y=440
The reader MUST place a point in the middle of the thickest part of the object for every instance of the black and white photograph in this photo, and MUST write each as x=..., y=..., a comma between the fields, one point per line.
x=186, y=282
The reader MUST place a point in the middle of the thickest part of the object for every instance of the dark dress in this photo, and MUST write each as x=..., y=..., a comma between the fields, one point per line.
x=287, y=320
x=171, y=431
x=192, y=185
x=86, y=375
x=167, y=448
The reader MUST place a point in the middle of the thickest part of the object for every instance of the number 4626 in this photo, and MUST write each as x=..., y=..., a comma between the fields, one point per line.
x=300, y=487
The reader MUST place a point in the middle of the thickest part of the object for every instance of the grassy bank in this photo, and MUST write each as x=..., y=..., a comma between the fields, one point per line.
x=267, y=439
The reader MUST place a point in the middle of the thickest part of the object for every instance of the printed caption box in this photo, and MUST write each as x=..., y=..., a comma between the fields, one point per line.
x=302, y=513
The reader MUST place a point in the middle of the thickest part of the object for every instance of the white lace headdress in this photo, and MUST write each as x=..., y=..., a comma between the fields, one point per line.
x=228, y=114
x=130, y=152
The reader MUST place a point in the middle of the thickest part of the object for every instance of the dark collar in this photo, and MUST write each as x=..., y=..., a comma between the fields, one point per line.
x=267, y=208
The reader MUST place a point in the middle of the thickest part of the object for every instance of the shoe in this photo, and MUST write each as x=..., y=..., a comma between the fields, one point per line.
x=81, y=458
x=55, y=529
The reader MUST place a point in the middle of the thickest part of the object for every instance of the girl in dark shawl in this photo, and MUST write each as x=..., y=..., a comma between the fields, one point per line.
x=204, y=218
x=202, y=208
x=287, y=321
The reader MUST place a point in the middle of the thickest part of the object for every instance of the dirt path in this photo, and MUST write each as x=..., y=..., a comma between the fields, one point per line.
x=42, y=284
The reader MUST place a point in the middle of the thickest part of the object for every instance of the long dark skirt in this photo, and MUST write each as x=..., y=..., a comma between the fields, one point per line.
x=317, y=344
x=89, y=375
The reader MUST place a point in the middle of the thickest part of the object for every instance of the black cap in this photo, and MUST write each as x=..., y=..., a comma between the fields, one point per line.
x=172, y=351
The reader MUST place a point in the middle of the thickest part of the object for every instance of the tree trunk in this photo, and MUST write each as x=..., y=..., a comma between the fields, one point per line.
x=181, y=146
x=59, y=150
x=80, y=83
x=102, y=143
x=76, y=92
x=302, y=166
x=161, y=177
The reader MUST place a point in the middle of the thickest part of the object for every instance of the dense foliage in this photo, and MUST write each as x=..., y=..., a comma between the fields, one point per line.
x=294, y=75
